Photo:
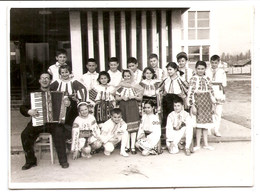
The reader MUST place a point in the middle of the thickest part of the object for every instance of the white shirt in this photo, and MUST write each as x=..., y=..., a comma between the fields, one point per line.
x=175, y=119
x=54, y=71
x=149, y=87
x=188, y=73
x=115, y=77
x=105, y=93
x=90, y=80
x=160, y=74
x=110, y=129
x=138, y=76
x=217, y=76
x=172, y=86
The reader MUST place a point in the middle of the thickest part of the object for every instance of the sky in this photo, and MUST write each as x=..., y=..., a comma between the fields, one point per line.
x=235, y=28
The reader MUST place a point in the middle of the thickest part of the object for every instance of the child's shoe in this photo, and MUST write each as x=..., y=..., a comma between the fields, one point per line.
x=145, y=153
x=174, y=150
x=124, y=154
x=107, y=153
x=196, y=148
x=187, y=152
x=133, y=151
x=208, y=147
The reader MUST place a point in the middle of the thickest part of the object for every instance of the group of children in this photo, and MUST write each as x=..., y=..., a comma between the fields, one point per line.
x=137, y=107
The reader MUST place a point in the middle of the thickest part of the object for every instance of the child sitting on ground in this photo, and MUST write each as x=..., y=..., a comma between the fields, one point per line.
x=179, y=125
x=112, y=132
x=85, y=133
x=149, y=133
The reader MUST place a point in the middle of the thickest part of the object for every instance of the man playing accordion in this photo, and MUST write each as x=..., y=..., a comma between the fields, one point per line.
x=30, y=133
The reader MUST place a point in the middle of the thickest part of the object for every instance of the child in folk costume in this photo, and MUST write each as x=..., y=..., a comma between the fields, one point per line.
x=74, y=90
x=201, y=99
x=128, y=94
x=149, y=133
x=85, y=133
x=105, y=100
x=150, y=86
x=218, y=78
x=132, y=64
x=114, y=131
x=179, y=124
x=172, y=88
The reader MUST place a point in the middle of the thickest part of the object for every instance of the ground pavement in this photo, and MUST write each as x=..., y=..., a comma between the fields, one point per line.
x=230, y=164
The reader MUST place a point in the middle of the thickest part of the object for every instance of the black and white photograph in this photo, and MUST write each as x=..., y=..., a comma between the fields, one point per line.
x=131, y=95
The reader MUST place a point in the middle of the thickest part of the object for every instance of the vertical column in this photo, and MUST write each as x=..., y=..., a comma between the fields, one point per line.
x=76, y=43
x=133, y=34
x=123, y=41
x=144, y=39
x=163, y=39
x=101, y=42
x=154, y=39
x=175, y=34
x=112, y=32
x=90, y=35
x=185, y=31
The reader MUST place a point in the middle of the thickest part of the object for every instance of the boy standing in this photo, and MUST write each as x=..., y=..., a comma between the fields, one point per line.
x=182, y=59
x=132, y=64
x=218, y=78
x=178, y=125
x=113, y=131
x=89, y=79
x=61, y=57
x=153, y=59
x=115, y=74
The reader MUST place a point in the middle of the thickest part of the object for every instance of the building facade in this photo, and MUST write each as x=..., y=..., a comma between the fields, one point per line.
x=102, y=33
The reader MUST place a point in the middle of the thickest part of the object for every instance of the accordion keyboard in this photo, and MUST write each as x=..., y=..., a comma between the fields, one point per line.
x=36, y=103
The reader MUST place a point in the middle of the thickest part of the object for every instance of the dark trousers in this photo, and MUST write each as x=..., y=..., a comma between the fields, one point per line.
x=30, y=134
x=167, y=105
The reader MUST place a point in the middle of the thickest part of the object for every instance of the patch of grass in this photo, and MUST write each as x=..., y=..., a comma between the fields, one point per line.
x=238, y=102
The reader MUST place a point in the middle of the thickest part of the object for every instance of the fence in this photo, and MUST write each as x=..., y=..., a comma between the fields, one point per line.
x=240, y=70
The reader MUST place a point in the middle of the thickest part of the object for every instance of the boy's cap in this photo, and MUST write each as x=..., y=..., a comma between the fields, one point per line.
x=181, y=55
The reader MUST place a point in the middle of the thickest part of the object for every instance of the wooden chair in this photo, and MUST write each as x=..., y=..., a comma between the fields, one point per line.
x=43, y=140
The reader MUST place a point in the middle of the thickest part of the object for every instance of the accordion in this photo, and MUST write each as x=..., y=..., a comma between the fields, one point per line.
x=50, y=107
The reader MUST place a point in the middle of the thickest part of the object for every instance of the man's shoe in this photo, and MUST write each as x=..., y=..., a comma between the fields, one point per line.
x=29, y=165
x=65, y=165
x=187, y=152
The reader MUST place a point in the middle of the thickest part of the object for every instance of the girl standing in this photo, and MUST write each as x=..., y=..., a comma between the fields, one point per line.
x=201, y=99
x=105, y=101
x=149, y=133
x=128, y=94
x=150, y=86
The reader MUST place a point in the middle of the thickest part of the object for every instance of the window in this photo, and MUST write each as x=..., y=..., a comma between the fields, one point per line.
x=198, y=25
x=196, y=53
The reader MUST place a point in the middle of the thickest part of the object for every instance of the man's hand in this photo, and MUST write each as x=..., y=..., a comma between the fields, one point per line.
x=66, y=102
x=34, y=113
